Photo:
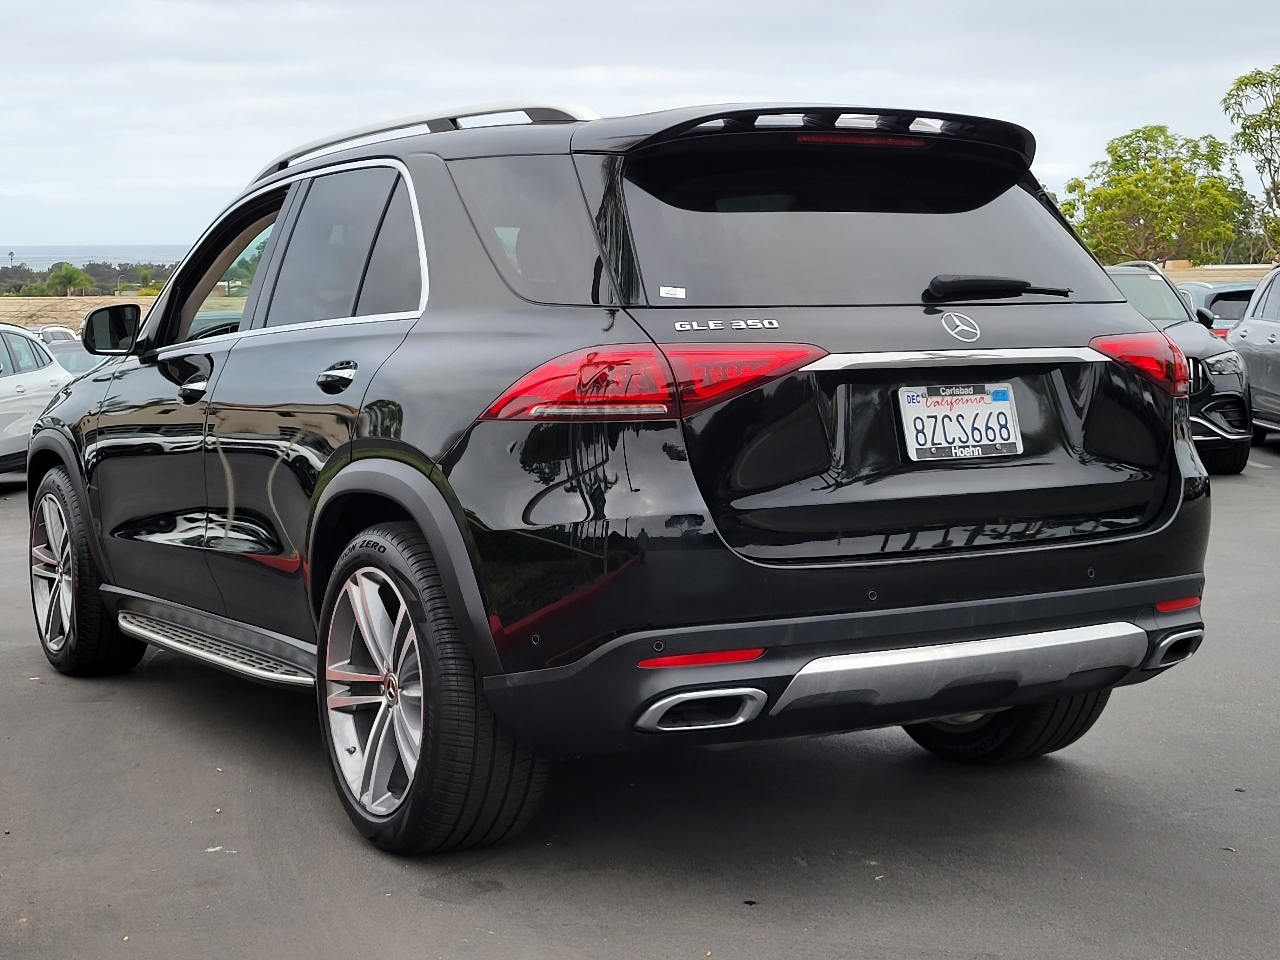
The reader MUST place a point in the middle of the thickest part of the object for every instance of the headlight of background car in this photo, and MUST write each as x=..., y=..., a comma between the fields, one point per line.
x=1228, y=362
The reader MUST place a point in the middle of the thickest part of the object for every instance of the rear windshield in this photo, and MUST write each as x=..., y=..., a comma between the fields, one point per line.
x=813, y=220
x=1151, y=297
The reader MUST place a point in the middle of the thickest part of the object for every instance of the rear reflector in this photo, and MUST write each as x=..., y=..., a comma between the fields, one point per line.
x=634, y=381
x=1153, y=355
x=1168, y=606
x=703, y=659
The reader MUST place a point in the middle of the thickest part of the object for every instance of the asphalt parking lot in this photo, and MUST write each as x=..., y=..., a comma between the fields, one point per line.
x=181, y=812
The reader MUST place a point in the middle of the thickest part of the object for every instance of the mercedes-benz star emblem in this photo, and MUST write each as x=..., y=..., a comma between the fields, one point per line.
x=961, y=327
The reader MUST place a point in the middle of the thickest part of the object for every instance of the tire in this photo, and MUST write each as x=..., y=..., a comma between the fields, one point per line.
x=1225, y=460
x=1260, y=435
x=1018, y=733
x=470, y=783
x=77, y=633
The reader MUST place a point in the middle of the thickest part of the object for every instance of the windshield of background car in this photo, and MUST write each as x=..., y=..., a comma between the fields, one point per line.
x=814, y=219
x=1151, y=297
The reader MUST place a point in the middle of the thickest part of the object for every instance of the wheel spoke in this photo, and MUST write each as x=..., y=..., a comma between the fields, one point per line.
x=41, y=554
x=52, y=605
x=346, y=673
x=45, y=572
x=371, y=619
x=349, y=701
x=379, y=760
x=54, y=529
x=408, y=737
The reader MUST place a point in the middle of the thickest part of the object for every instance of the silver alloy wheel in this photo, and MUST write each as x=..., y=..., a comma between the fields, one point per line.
x=373, y=694
x=52, y=572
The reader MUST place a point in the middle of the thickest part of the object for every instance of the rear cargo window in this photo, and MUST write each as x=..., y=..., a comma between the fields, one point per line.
x=799, y=223
x=534, y=222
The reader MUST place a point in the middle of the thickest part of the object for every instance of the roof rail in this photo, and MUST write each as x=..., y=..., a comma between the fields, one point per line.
x=1142, y=265
x=538, y=111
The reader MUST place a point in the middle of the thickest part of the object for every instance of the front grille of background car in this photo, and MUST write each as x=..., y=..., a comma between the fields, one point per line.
x=1200, y=378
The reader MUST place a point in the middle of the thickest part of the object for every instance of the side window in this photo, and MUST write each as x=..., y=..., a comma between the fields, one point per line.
x=215, y=302
x=6, y=363
x=26, y=355
x=329, y=246
x=393, y=281
x=1269, y=306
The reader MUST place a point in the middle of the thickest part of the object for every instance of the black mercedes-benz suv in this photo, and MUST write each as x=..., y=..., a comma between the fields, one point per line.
x=523, y=440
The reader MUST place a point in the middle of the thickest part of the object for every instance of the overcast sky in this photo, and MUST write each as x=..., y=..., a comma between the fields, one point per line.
x=135, y=121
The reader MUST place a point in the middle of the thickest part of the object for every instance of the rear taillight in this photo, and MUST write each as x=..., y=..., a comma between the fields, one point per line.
x=1220, y=332
x=710, y=373
x=1153, y=355
x=636, y=381
x=630, y=381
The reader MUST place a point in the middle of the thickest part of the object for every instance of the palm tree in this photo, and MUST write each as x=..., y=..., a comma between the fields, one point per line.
x=64, y=278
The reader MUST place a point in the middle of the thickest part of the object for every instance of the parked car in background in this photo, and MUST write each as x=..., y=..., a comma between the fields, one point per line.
x=73, y=357
x=714, y=424
x=56, y=333
x=1226, y=300
x=1219, y=391
x=28, y=380
x=1256, y=336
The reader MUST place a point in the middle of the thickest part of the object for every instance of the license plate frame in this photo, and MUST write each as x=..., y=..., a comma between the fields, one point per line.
x=951, y=416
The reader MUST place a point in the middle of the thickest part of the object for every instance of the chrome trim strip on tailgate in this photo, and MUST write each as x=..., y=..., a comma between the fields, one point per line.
x=917, y=674
x=957, y=358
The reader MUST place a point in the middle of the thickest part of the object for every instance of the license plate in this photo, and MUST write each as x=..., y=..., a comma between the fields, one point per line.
x=959, y=421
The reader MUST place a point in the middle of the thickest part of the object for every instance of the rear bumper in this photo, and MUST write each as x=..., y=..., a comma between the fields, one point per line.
x=853, y=671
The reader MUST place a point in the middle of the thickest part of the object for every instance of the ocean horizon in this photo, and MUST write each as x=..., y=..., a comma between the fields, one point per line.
x=43, y=257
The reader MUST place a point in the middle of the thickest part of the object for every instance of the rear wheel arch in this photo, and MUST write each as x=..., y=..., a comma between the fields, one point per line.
x=375, y=490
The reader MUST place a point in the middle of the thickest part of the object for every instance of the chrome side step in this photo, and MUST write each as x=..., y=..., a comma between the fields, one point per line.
x=919, y=673
x=211, y=650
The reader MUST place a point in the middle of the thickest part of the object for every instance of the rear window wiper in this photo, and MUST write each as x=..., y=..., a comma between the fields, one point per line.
x=953, y=286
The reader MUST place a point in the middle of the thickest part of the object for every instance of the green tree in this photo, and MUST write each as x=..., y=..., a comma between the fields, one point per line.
x=1158, y=196
x=64, y=278
x=1253, y=105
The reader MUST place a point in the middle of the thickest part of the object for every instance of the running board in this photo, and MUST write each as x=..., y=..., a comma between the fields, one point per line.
x=917, y=674
x=211, y=650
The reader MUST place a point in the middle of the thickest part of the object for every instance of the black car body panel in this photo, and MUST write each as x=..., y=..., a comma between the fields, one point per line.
x=232, y=456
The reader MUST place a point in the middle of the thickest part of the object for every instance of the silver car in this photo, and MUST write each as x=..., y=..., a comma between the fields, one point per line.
x=29, y=378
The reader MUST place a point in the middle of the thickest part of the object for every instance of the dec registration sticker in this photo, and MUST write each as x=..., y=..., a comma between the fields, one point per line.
x=959, y=421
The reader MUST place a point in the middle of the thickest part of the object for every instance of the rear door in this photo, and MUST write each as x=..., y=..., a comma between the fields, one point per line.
x=350, y=285
x=1259, y=335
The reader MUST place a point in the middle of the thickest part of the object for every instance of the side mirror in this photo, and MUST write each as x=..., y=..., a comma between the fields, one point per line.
x=1205, y=316
x=110, y=331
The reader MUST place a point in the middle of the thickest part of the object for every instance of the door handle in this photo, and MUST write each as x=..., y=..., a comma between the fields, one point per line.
x=337, y=377
x=19, y=388
x=193, y=389
x=1271, y=339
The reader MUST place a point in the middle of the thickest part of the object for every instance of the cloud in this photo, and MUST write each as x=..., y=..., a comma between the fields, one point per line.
x=114, y=104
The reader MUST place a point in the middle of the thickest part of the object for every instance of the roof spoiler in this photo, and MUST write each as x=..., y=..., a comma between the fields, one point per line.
x=624, y=134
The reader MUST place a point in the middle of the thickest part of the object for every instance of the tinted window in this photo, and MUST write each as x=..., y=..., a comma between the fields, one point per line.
x=393, y=282
x=1230, y=306
x=6, y=364
x=1269, y=308
x=1151, y=297
x=74, y=358
x=775, y=222
x=329, y=246
x=26, y=353
x=534, y=222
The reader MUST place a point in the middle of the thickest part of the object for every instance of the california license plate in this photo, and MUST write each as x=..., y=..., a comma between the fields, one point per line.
x=959, y=421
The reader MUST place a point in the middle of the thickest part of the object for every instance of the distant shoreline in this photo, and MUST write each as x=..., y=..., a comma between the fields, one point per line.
x=38, y=257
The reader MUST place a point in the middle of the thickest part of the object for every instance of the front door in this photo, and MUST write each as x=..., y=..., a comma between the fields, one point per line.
x=347, y=291
x=148, y=471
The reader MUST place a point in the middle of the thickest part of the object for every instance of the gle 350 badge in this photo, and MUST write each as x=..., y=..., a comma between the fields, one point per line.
x=684, y=325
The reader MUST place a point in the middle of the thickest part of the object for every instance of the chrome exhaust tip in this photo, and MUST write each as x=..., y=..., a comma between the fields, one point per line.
x=702, y=710
x=1174, y=649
